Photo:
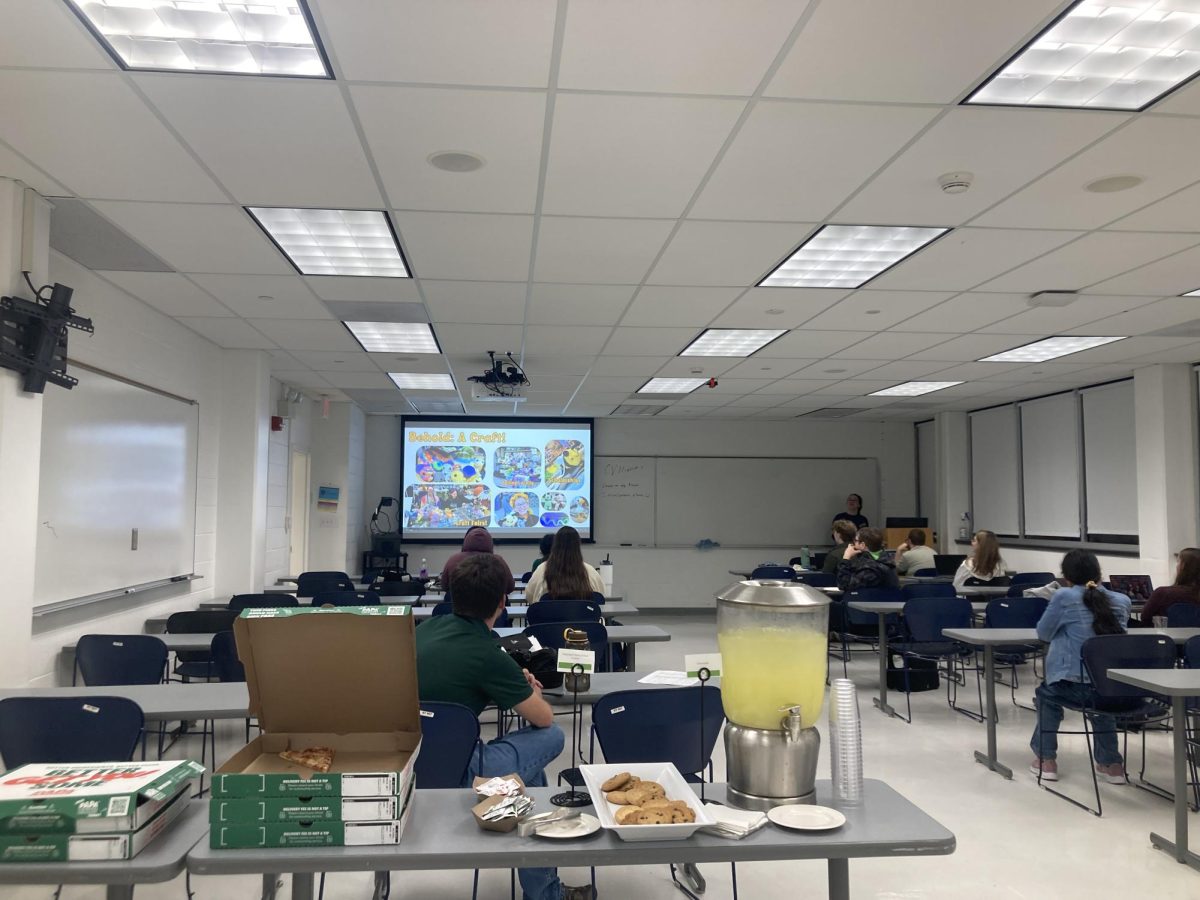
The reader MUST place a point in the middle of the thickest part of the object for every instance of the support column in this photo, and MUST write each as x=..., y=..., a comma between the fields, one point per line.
x=953, y=438
x=1165, y=425
x=242, y=473
x=329, y=524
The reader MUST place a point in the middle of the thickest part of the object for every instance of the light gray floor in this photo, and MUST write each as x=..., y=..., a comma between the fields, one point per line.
x=1014, y=840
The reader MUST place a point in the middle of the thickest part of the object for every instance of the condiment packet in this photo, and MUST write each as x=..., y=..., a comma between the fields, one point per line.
x=505, y=787
x=509, y=807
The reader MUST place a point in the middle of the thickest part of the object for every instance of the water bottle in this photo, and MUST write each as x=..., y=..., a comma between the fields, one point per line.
x=804, y=557
x=424, y=573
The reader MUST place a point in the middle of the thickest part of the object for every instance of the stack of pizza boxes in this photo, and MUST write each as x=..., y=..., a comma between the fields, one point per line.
x=70, y=812
x=321, y=681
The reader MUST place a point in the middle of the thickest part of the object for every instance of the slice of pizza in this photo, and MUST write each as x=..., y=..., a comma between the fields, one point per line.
x=319, y=758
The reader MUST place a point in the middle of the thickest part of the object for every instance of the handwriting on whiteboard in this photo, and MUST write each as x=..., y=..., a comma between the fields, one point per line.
x=625, y=480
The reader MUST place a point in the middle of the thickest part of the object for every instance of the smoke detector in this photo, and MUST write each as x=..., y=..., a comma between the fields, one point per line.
x=1052, y=298
x=955, y=182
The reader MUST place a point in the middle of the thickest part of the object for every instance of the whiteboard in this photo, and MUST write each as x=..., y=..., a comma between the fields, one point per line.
x=624, y=497
x=115, y=457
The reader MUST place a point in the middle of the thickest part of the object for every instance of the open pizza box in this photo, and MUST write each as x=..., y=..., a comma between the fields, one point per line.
x=344, y=678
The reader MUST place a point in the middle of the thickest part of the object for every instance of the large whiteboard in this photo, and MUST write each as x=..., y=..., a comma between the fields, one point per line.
x=736, y=501
x=115, y=457
x=624, y=497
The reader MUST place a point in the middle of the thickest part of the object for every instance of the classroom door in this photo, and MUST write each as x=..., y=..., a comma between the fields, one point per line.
x=298, y=515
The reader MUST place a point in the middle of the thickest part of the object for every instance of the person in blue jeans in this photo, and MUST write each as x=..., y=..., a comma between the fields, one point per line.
x=458, y=661
x=1081, y=610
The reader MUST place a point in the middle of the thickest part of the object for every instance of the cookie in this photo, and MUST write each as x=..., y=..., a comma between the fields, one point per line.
x=682, y=816
x=647, y=790
x=626, y=814
x=621, y=798
x=617, y=782
x=652, y=817
x=658, y=803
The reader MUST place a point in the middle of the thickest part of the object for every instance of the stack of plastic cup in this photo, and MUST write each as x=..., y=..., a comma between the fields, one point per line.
x=845, y=738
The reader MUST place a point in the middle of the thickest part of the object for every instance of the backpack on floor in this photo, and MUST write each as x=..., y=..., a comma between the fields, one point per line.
x=922, y=675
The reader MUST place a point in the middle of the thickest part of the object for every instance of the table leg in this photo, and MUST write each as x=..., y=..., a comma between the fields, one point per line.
x=118, y=892
x=1179, y=849
x=630, y=657
x=881, y=700
x=302, y=885
x=839, y=879
x=989, y=675
x=269, y=882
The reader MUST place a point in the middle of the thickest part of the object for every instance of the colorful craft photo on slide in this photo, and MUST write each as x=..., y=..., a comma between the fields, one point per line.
x=565, y=462
x=451, y=465
x=518, y=467
x=447, y=506
x=517, y=510
x=553, y=519
x=580, y=510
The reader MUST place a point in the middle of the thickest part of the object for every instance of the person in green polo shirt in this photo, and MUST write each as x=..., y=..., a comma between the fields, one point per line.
x=458, y=661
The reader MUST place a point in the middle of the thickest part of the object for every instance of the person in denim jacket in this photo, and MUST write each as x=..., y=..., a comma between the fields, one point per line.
x=1081, y=610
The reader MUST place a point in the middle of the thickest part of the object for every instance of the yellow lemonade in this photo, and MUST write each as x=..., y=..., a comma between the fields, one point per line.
x=763, y=669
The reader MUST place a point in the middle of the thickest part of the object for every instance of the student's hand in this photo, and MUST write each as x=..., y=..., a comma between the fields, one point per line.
x=851, y=551
x=903, y=548
x=533, y=682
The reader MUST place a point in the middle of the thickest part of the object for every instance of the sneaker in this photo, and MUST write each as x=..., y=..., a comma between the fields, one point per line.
x=1113, y=773
x=1047, y=768
x=584, y=892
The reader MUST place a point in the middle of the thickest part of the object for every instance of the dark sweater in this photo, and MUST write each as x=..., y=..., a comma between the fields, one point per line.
x=1164, y=598
x=864, y=571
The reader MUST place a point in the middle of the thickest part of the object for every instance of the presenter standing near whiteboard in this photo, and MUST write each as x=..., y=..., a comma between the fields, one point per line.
x=853, y=512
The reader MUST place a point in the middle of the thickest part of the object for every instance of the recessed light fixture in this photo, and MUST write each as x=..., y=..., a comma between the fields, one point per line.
x=914, y=388
x=390, y=337
x=455, y=161
x=1113, y=184
x=731, y=341
x=848, y=256
x=671, y=385
x=1101, y=56
x=422, y=382
x=637, y=409
x=1050, y=348
x=334, y=241
x=1195, y=293
x=243, y=37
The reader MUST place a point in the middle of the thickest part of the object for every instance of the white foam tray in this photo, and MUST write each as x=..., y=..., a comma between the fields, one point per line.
x=673, y=783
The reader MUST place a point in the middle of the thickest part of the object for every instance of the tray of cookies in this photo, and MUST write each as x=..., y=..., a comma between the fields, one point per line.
x=644, y=801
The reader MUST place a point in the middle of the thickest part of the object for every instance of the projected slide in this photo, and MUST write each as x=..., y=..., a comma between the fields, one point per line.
x=519, y=478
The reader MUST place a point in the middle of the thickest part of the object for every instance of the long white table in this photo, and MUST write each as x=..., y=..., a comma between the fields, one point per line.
x=171, y=702
x=606, y=683
x=609, y=609
x=630, y=635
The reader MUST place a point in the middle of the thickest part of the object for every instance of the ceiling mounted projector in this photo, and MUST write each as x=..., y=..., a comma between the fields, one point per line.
x=504, y=380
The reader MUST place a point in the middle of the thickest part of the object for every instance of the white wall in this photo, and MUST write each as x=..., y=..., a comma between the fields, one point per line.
x=329, y=531
x=275, y=563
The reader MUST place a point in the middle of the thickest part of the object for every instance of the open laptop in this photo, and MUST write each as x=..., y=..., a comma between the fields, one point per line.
x=947, y=563
x=1137, y=588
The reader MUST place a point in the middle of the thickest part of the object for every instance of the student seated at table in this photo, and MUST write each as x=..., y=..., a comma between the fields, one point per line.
x=843, y=536
x=458, y=662
x=1080, y=610
x=913, y=555
x=985, y=565
x=863, y=565
x=544, y=546
x=565, y=575
x=1186, y=588
x=477, y=540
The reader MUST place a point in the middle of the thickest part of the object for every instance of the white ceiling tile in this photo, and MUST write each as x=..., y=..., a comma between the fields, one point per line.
x=420, y=363
x=611, y=364
x=1145, y=315
x=597, y=251
x=1178, y=274
x=1179, y=212
x=794, y=387
x=15, y=166
x=876, y=310
x=480, y=302
x=979, y=371
x=231, y=333
x=798, y=161
x=168, y=293
x=965, y=313
x=804, y=344
x=918, y=51
x=1156, y=148
x=632, y=155
x=460, y=245
x=360, y=381
x=1003, y=148
x=971, y=347
x=470, y=42
x=60, y=119
x=462, y=339
x=354, y=360
x=677, y=46
x=1188, y=353
x=912, y=369
x=736, y=387
x=198, y=238
x=578, y=304
x=557, y=365
x=965, y=257
x=726, y=253
x=306, y=335
x=790, y=307
x=583, y=339
x=1133, y=348
x=604, y=384
x=291, y=297
x=768, y=368
x=669, y=305
x=758, y=401
x=301, y=378
x=837, y=368
x=1089, y=260
x=45, y=35
x=404, y=126
x=890, y=345
x=684, y=366
x=628, y=341
x=363, y=289
x=281, y=360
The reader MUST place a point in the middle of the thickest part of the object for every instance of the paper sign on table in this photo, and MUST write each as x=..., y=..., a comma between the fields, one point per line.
x=694, y=662
x=568, y=659
x=668, y=676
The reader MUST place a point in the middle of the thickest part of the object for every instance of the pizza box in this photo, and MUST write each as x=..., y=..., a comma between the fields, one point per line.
x=300, y=809
x=89, y=847
x=339, y=677
x=88, y=798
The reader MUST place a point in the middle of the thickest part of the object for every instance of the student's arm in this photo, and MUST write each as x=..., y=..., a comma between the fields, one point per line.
x=963, y=573
x=536, y=585
x=1048, y=624
x=535, y=710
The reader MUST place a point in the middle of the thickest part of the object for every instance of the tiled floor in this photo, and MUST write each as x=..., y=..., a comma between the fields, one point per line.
x=1014, y=840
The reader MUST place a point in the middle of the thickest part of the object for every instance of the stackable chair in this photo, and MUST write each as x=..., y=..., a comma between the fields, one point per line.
x=1183, y=615
x=108, y=659
x=310, y=583
x=816, y=579
x=346, y=598
x=937, y=589
x=1191, y=660
x=774, y=573
x=1015, y=612
x=198, y=663
x=925, y=573
x=925, y=618
x=553, y=610
x=238, y=602
x=395, y=589
x=551, y=634
x=848, y=625
x=1031, y=579
x=69, y=729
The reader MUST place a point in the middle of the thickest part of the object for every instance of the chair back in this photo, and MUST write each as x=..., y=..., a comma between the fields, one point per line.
x=551, y=610
x=68, y=729
x=926, y=617
x=774, y=573
x=1014, y=612
x=817, y=579
x=872, y=595
x=817, y=560
x=442, y=608
x=1031, y=579
x=449, y=738
x=1125, y=651
x=108, y=659
x=225, y=663
x=346, y=598
x=414, y=588
x=201, y=621
x=925, y=573
x=1191, y=652
x=238, y=602
x=1183, y=615
x=525, y=578
x=659, y=726
x=936, y=589
x=552, y=634
x=310, y=583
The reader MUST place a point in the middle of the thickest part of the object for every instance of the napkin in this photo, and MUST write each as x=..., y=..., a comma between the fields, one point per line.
x=733, y=823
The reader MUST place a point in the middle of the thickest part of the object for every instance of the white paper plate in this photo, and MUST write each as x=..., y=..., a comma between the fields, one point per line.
x=566, y=829
x=802, y=817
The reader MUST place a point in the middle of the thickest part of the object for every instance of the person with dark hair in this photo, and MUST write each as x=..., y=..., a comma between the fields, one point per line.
x=544, y=546
x=1076, y=612
x=477, y=540
x=863, y=564
x=1186, y=588
x=843, y=536
x=853, y=512
x=913, y=555
x=565, y=575
x=458, y=661
x=985, y=565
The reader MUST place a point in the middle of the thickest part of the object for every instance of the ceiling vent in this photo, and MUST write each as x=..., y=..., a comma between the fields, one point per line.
x=439, y=406
x=831, y=412
x=637, y=409
x=79, y=232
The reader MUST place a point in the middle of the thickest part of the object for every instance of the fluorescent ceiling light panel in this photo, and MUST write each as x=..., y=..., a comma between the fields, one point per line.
x=1195, y=293
x=334, y=241
x=637, y=409
x=671, y=385
x=262, y=37
x=394, y=337
x=848, y=256
x=913, y=388
x=420, y=382
x=731, y=341
x=1050, y=348
x=1119, y=54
